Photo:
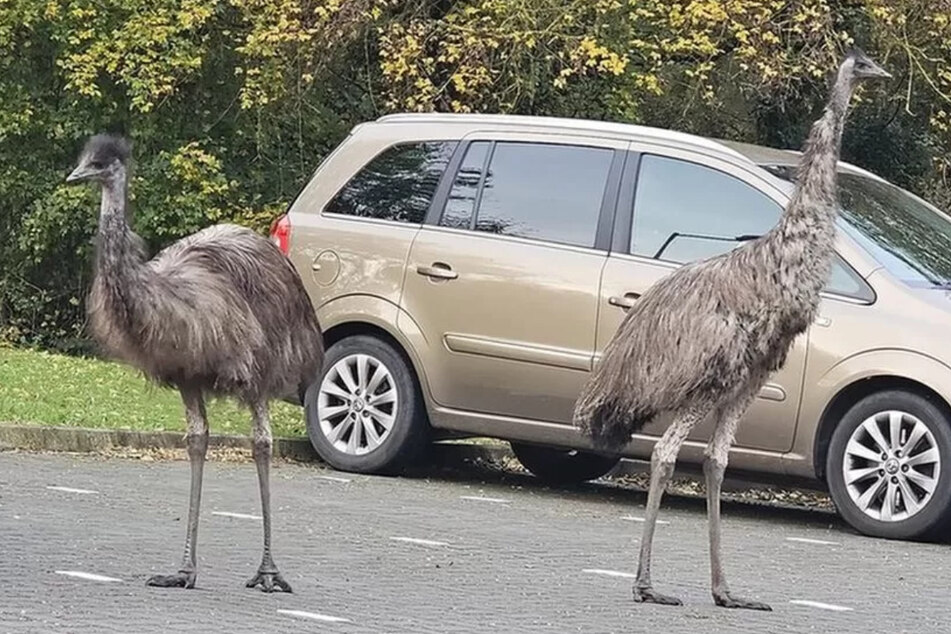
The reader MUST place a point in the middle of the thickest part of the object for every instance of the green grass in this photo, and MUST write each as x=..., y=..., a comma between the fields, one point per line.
x=49, y=389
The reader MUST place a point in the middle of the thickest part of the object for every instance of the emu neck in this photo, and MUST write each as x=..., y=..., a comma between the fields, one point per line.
x=118, y=248
x=810, y=215
x=120, y=256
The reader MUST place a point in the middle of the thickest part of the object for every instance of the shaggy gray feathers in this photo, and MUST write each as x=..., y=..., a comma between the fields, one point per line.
x=714, y=329
x=222, y=310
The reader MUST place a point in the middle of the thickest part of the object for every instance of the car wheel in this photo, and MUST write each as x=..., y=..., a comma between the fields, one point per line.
x=889, y=466
x=365, y=413
x=562, y=466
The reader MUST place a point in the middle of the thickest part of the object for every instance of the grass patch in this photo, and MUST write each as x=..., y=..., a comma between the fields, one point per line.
x=50, y=389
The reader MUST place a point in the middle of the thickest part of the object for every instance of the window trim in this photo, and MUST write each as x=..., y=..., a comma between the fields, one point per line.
x=624, y=222
x=609, y=197
x=332, y=214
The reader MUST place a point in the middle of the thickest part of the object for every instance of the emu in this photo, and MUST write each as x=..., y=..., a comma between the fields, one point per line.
x=705, y=339
x=219, y=313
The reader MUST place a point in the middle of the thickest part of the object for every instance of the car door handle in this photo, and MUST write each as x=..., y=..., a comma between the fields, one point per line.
x=437, y=271
x=624, y=302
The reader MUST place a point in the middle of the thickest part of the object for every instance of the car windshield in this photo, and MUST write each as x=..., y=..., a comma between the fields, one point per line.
x=908, y=237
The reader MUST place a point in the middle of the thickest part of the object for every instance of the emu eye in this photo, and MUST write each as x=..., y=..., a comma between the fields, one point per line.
x=98, y=165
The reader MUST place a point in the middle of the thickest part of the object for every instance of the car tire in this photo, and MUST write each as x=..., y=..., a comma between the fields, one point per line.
x=857, y=463
x=561, y=465
x=365, y=413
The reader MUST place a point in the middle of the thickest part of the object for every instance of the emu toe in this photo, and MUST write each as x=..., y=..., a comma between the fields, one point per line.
x=269, y=582
x=725, y=600
x=648, y=595
x=182, y=579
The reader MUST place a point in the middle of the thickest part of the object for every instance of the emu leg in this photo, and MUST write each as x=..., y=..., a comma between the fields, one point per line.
x=663, y=459
x=717, y=455
x=196, y=441
x=267, y=576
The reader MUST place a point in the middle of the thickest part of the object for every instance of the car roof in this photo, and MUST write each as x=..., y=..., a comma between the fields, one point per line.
x=747, y=152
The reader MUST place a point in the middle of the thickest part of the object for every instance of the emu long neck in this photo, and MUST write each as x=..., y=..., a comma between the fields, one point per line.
x=811, y=212
x=119, y=251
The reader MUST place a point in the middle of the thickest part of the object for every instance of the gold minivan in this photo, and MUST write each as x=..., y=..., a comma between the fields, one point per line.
x=469, y=269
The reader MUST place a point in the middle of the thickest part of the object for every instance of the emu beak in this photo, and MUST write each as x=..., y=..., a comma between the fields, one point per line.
x=878, y=72
x=78, y=175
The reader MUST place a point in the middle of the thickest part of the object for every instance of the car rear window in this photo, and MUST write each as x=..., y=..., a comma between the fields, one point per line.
x=543, y=191
x=398, y=184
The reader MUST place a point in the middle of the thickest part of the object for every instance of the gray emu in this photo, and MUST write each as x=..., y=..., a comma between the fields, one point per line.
x=704, y=339
x=221, y=312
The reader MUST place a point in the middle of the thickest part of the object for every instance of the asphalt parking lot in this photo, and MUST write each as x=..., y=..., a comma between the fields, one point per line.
x=452, y=550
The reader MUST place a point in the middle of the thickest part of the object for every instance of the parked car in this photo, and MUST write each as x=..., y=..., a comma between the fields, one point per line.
x=469, y=269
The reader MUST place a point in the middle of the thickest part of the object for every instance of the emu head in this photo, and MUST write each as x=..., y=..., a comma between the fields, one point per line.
x=103, y=158
x=860, y=66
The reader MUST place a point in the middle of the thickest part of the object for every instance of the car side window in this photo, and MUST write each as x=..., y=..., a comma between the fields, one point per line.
x=398, y=184
x=543, y=191
x=684, y=211
x=461, y=203
x=843, y=280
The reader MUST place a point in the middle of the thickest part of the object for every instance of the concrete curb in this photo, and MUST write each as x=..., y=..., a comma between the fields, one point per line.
x=85, y=440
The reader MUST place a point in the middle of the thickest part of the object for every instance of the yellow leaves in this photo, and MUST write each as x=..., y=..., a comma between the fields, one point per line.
x=149, y=48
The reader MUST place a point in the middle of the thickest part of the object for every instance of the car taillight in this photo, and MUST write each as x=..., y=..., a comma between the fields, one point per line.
x=281, y=234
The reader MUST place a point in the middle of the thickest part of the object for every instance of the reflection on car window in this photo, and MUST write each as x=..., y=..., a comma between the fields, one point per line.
x=685, y=212
x=462, y=197
x=396, y=185
x=544, y=191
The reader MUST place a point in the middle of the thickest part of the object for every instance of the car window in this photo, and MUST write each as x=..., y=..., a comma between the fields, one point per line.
x=534, y=190
x=843, y=280
x=685, y=211
x=461, y=202
x=398, y=184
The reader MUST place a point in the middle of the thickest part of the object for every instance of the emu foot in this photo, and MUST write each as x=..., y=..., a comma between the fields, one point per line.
x=182, y=579
x=725, y=600
x=269, y=581
x=648, y=595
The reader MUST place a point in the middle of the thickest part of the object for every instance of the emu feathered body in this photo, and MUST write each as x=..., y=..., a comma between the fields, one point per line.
x=221, y=310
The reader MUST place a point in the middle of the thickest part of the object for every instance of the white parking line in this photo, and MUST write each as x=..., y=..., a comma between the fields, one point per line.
x=72, y=490
x=632, y=518
x=479, y=498
x=240, y=516
x=610, y=573
x=334, y=479
x=821, y=606
x=421, y=542
x=806, y=540
x=313, y=616
x=88, y=576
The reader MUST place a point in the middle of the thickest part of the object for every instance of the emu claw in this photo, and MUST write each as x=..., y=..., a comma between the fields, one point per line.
x=648, y=595
x=724, y=600
x=269, y=582
x=181, y=579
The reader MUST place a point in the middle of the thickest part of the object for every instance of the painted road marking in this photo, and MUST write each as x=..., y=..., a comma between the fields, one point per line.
x=610, y=573
x=479, y=498
x=72, y=490
x=334, y=479
x=313, y=616
x=88, y=576
x=632, y=518
x=240, y=516
x=821, y=606
x=806, y=540
x=421, y=542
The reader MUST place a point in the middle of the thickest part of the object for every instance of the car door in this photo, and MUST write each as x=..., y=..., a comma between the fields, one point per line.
x=686, y=208
x=503, y=284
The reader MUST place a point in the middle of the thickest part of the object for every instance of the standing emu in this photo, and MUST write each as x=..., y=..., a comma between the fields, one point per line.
x=705, y=339
x=220, y=312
